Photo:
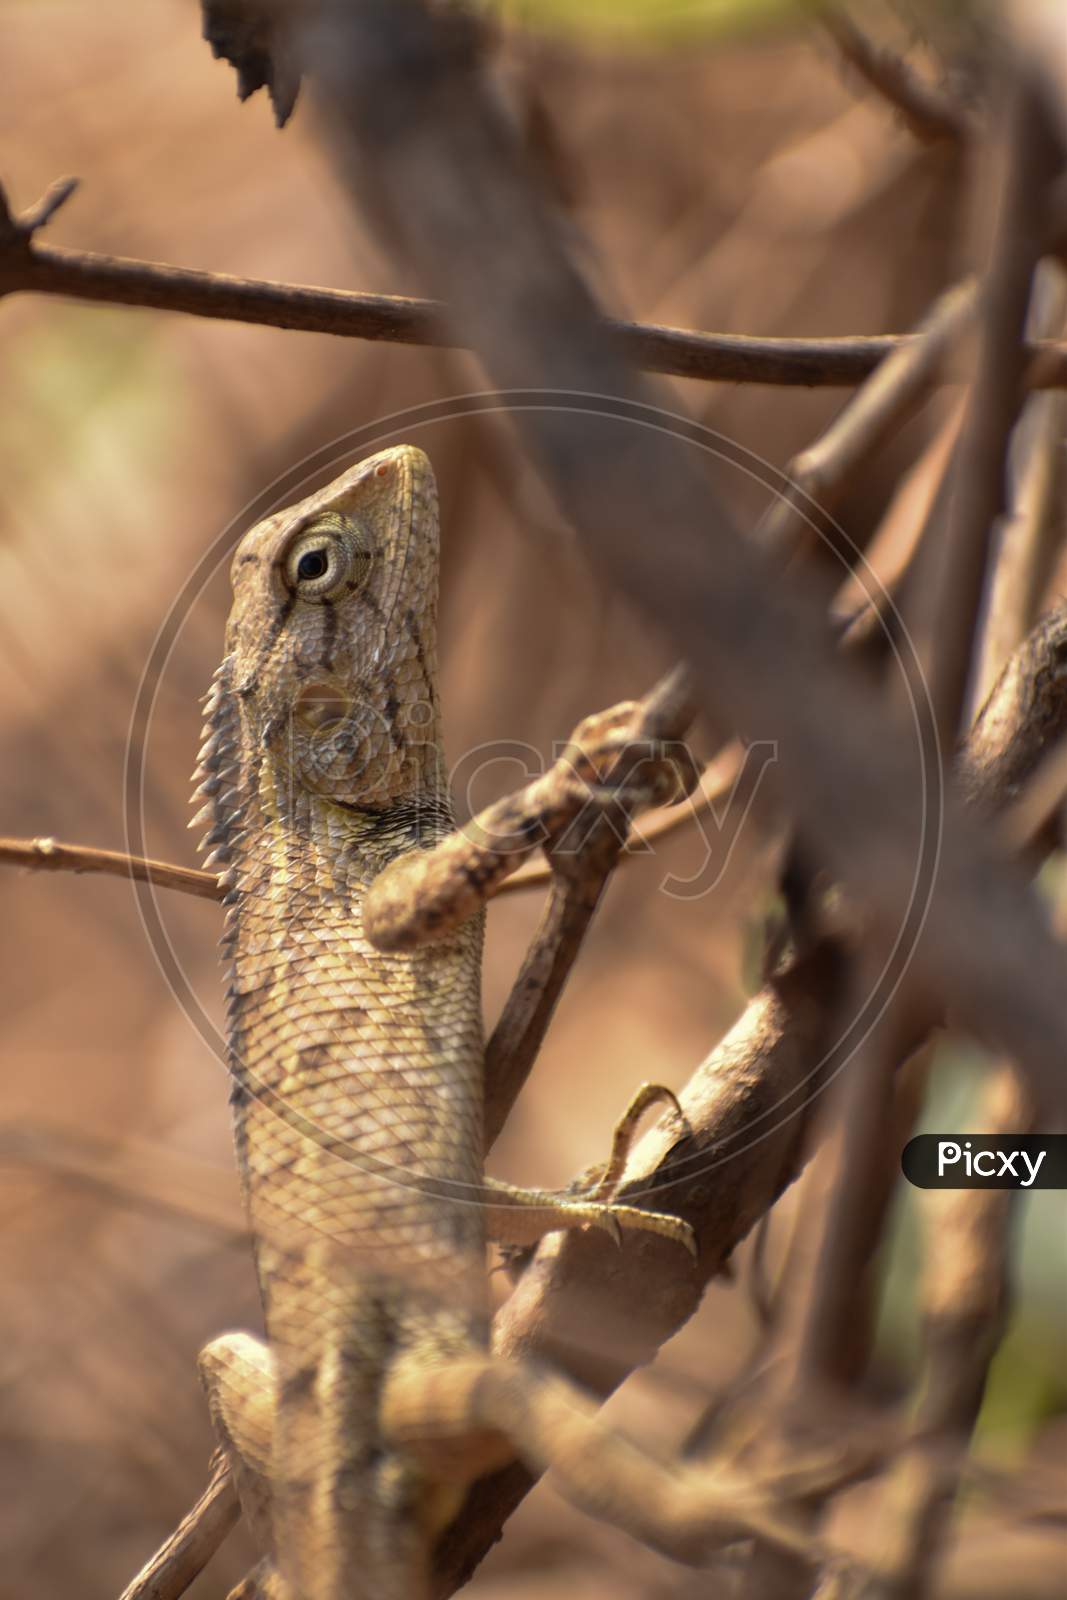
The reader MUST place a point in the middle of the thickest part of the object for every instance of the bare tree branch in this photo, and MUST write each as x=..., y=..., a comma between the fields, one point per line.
x=28, y=267
x=820, y=474
x=49, y=855
x=1033, y=528
x=978, y=488
x=749, y=1106
x=579, y=878
x=431, y=159
x=192, y=1544
x=930, y=113
x=966, y=1295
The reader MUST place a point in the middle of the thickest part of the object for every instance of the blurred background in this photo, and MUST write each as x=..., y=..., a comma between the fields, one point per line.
x=728, y=175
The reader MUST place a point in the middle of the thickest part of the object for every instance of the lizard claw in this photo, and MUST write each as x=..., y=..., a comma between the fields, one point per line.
x=614, y=1219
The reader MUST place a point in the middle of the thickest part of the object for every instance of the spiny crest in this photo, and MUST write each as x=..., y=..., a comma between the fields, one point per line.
x=219, y=787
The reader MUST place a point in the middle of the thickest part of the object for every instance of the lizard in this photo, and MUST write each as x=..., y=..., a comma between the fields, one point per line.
x=353, y=937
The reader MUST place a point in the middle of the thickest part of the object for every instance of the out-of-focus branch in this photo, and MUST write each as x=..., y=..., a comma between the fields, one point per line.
x=750, y=1105
x=930, y=113
x=960, y=559
x=1037, y=27
x=965, y=1296
x=1033, y=528
x=424, y=148
x=194, y=1541
x=820, y=474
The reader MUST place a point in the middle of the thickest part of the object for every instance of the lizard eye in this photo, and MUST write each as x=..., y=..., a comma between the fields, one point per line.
x=312, y=564
x=324, y=562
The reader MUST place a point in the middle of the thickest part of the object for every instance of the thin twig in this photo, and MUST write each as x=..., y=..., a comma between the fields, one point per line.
x=194, y=1541
x=930, y=113
x=43, y=210
x=49, y=855
x=28, y=267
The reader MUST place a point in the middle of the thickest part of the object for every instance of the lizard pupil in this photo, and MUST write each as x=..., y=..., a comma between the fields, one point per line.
x=312, y=564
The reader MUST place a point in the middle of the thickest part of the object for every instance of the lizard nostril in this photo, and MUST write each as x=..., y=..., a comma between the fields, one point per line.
x=382, y=470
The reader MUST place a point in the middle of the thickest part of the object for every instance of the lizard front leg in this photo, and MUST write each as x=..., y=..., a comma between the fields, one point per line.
x=581, y=807
x=604, y=771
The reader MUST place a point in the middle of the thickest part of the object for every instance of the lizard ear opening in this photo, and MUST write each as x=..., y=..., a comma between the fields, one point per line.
x=329, y=560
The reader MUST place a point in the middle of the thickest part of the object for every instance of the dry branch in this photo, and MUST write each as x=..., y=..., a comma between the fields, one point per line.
x=579, y=878
x=749, y=1105
x=426, y=150
x=192, y=1544
x=27, y=267
x=820, y=474
x=965, y=1296
x=979, y=470
x=930, y=113
x=1034, y=527
x=50, y=855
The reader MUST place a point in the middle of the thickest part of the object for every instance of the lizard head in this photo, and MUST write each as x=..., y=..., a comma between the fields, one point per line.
x=331, y=641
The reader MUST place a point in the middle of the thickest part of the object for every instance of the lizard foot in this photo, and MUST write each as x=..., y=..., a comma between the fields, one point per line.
x=518, y=1218
x=609, y=761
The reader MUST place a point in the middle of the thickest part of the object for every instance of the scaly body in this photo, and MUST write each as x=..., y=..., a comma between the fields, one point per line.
x=357, y=1075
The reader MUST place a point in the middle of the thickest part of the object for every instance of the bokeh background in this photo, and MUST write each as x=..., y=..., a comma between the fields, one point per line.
x=731, y=178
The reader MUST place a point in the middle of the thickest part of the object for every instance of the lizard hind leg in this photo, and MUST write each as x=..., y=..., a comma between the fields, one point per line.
x=238, y=1378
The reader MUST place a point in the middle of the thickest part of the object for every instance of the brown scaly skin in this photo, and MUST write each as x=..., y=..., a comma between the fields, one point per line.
x=357, y=1073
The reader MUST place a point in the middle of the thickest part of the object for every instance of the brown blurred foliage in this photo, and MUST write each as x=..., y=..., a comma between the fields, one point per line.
x=741, y=187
